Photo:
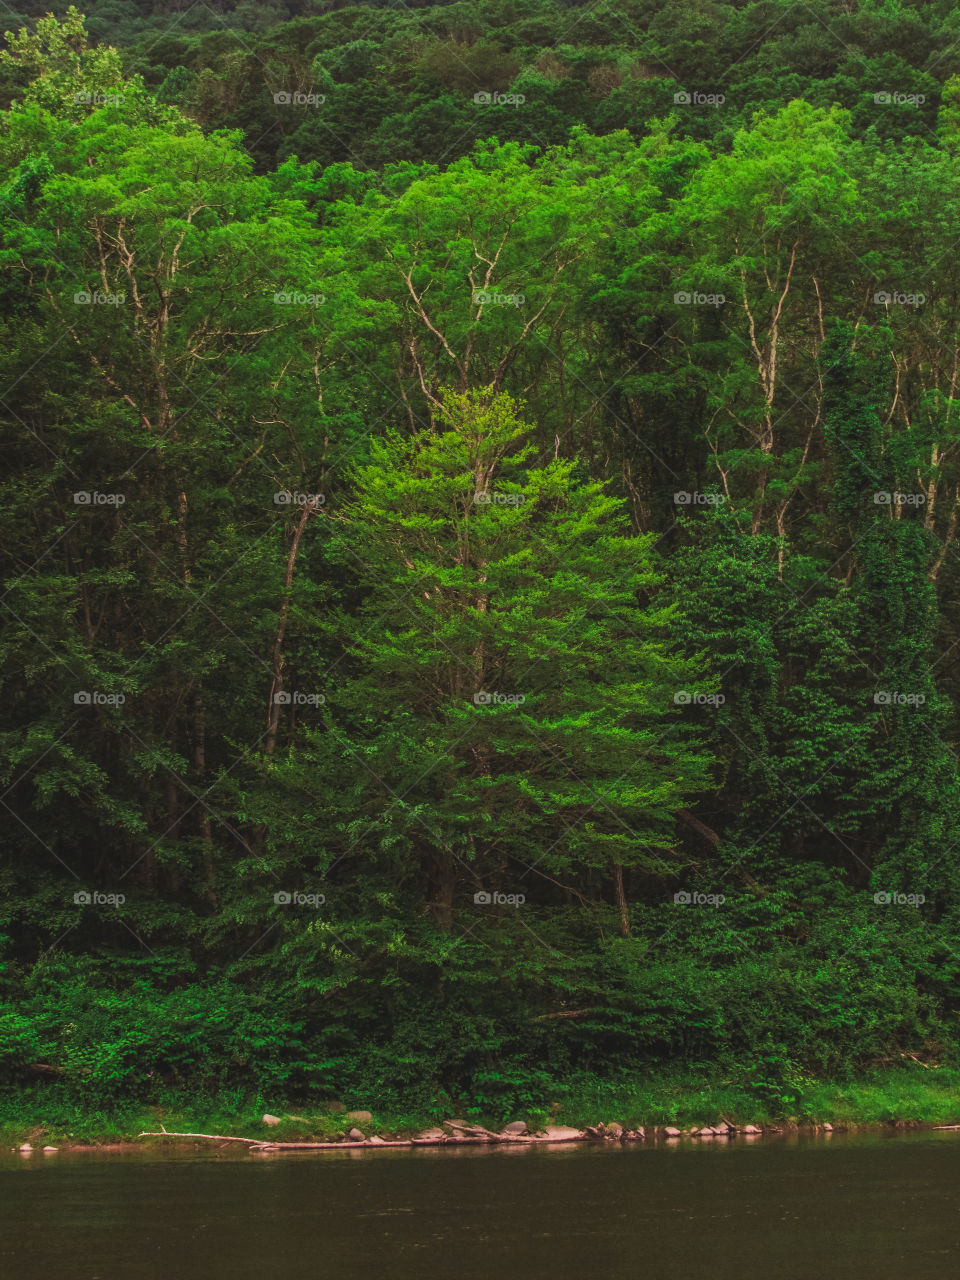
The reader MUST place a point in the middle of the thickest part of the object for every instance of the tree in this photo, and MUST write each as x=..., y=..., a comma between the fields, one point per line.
x=511, y=698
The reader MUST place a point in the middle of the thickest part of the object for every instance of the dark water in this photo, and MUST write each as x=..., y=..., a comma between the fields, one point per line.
x=835, y=1208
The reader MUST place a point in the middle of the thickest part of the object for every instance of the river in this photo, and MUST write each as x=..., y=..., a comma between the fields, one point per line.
x=819, y=1208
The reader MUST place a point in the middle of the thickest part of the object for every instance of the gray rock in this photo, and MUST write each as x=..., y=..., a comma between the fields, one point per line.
x=269, y=1119
x=670, y=1132
x=430, y=1135
x=336, y=1106
x=561, y=1133
x=515, y=1127
x=26, y=1148
x=364, y=1117
x=356, y=1136
x=828, y=1128
x=750, y=1128
x=634, y=1135
x=615, y=1130
x=376, y=1141
x=51, y=1148
x=722, y=1128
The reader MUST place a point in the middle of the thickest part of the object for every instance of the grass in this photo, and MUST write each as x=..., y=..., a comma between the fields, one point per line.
x=901, y=1095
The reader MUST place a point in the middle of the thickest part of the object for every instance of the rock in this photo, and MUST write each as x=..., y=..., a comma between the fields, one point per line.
x=750, y=1128
x=26, y=1148
x=457, y=1124
x=561, y=1133
x=634, y=1135
x=376, y=1141
x=269, y=1119
x=670, y=1132
x=516, y=1128
x=299, y=1119
x=364, y=1117
x=430, y=1135
x=356, y=1136
x=51, y=1148
x=828, y=1128
x=595, y=1131
x=722, y=1129
x=336, y=1106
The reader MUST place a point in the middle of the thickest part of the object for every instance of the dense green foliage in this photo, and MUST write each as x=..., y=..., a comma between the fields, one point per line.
x=478, y=580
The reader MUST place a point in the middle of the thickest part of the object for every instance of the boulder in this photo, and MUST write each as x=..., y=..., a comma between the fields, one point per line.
x=751, y=1128
x=376, y=1141
x=722, y=1129
x=615, y=1130
x=26, y=1148
x=364, y=1117
x=561, y=1133
x=595, y=1131
x=430, y=1135
x=828, y=1128
x=335, y=1106
x=516, y=1128
x=269, y=1119
x=356, y=1136
x=634, y=1135
x=670, y=1132
x=51, y=1148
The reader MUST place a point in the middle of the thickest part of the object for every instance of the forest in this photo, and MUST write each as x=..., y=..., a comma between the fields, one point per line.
x=478, y=550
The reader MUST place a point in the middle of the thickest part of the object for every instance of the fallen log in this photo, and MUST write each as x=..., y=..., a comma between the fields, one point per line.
x=203, y=1137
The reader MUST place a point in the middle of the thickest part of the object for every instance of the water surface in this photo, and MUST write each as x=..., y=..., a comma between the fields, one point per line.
x=837, y=1208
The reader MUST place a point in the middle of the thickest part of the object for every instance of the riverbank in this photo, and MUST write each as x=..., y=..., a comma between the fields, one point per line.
x=911, y=1095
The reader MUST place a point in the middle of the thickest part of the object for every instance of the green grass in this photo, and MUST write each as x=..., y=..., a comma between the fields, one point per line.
x=902, y=1095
